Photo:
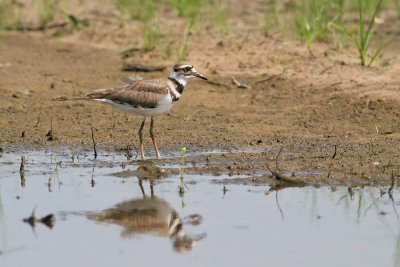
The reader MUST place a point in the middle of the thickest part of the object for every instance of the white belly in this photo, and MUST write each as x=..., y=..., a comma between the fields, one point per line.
x=163, y=106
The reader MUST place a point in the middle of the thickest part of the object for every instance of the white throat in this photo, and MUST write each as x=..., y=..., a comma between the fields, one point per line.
x=180, y=78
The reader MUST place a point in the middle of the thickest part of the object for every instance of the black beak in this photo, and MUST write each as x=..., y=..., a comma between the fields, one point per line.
x=198, y=75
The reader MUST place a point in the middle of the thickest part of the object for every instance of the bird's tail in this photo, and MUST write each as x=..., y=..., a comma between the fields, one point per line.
x=96, y=94
x=64, y=98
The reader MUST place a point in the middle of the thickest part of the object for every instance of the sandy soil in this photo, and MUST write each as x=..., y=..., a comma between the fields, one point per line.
x=308, y=104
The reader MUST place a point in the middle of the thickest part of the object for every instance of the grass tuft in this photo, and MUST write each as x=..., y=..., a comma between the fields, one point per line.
x=220, y=16
x=313, y=17
x=143, y=10
x=150, y=34
x=363, y=37
x=183, y=48
x=189, y=9
x=48, y=10
x=9, y=20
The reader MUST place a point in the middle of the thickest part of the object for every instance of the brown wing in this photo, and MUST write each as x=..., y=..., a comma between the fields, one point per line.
x=144, y=93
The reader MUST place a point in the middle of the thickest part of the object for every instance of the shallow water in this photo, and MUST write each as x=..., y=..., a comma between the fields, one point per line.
x=105, y=220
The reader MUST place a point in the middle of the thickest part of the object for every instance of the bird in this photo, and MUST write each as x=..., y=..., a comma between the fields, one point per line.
x=149, y=215
x=146, y=98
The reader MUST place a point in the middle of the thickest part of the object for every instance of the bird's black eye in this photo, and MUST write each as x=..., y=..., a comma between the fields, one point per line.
x=187, y=69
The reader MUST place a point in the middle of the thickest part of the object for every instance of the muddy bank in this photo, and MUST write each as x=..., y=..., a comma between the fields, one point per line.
x=307, y=106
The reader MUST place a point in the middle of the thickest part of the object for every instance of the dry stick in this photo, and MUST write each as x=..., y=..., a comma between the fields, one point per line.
x=281, y=177
x=94, y=143
x=271, y=77
x=390, y=192
x=334, y=153
x=277, y=157
x=41, y=27
x=332, y=84
x=279, y=206
x=22, y=171
x=394, y=181
x=38, y=120
x=217, y=84
x=240, y=85
x=329, y=171
x=277, y=139
x=49, y=134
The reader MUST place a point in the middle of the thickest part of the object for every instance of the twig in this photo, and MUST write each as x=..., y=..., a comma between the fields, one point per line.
x=277, y=157
x=332, y=84
x=217, y=84
x=128, y=152
x=279, y=206
x=22, y=171
x=38, y=120
x=392, y=185
x=271, y=77
x=334, y=153
x=240, y=85
x=42, y=27
x=277, y=139
x=49, y=134
x=281, y=177
x=94, y=143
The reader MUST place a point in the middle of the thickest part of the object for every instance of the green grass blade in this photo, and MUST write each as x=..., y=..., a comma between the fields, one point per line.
x=378, y=52
x=371, y=23
x=348, y=33
x=362, y=22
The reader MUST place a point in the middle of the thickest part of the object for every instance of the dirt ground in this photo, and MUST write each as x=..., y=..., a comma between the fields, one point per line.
x=309, y=104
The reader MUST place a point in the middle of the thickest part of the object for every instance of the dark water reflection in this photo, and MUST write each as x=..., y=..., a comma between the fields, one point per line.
x=149, y=215
x=107, y=214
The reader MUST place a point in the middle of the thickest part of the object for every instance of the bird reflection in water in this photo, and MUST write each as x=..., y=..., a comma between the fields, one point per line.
x=148, y=215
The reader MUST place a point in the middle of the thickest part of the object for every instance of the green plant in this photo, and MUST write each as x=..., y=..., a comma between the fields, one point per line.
x=314, y=16
x=167, y=49
x=219, y=14
x=362, y=39
x=48, y=10
x=143, y=10
x=9, y=19
x=76, y=22
x=183, y=49
x=149, y=34
x=271, y=15
x=189, y=9
x=397, y=6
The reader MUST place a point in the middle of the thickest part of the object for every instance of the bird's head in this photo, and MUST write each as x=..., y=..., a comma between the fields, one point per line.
x=183, y=72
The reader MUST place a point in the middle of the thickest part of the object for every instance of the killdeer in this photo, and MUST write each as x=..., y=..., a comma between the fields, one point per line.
x=142, y=216
x=147, y=98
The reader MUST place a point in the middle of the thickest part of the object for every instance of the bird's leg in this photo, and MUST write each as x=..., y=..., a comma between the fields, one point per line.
x=153, y=137
x=141, y=138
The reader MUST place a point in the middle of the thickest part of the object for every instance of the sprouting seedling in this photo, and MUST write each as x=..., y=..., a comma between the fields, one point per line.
x=362, y=39
x=183, y=153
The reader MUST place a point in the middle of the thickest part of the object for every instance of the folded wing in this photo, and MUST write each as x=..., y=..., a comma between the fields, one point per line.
x=143, y=93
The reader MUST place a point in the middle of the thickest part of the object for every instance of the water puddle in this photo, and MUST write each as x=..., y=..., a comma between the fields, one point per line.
x=111, y=212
